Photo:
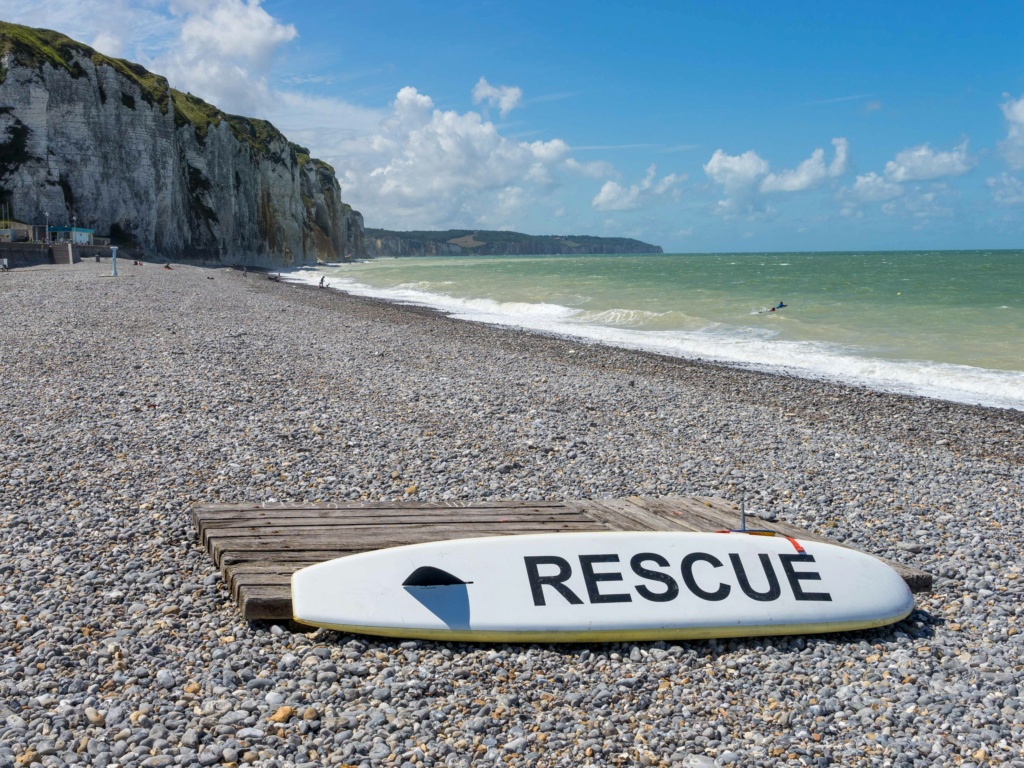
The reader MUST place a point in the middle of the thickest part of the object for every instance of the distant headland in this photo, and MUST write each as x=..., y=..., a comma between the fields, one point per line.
x=456, y=242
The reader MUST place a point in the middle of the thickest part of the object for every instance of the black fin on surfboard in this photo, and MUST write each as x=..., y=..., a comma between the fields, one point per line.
x=429, y=576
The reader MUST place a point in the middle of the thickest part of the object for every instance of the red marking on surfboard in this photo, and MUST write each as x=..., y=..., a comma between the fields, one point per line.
x=796, y=544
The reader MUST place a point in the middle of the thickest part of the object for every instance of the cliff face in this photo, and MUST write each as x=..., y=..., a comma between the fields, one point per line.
x=113, y=145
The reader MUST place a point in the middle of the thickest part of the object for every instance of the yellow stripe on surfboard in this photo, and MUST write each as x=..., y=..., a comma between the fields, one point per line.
x=613, y=635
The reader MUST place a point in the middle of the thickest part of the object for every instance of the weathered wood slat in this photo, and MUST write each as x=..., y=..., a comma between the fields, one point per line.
x=259, y=546
x=240, y=582
x=222, y=511
x=459, y=513
x=230, y=512
x=231, y=558
x=266, y=603
x=371, y=537
x=358, y=522
x=451, y=515
x=625, y=515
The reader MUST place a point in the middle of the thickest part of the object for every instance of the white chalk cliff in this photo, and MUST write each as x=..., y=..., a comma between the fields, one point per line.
x=110, y=143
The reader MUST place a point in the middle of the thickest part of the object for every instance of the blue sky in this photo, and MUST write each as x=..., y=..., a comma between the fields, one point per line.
x=696, y=126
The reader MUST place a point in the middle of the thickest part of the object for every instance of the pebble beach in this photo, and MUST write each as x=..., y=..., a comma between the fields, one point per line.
x=128, y=400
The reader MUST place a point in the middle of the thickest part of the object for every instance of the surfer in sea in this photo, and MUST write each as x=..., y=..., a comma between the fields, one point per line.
x=780, y=305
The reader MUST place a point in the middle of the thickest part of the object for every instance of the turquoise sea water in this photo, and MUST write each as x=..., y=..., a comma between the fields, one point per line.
x=945, y=324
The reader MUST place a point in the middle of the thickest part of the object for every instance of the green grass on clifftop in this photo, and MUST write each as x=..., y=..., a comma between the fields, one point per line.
x=191, y=110
x=36, y=47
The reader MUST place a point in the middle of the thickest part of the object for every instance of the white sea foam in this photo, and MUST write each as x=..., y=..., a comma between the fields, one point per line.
x=747, y=348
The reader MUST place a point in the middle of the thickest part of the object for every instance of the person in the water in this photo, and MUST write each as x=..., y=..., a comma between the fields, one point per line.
x=780, y=305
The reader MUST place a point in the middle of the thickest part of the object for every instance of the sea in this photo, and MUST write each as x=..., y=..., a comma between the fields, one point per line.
x=943, y=324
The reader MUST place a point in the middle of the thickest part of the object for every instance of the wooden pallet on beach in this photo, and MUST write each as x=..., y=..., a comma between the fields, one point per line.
x=258, y=547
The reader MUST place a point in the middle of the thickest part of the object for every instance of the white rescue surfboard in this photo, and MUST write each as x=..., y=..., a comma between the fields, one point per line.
x=608, y=586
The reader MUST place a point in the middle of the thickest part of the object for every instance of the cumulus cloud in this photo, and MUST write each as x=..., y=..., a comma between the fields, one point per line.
x=426, y=167
x=1013, y=147
x=923, y=163
x=743, y=177
x=1007, y=190
x=224, y=52
x=811, y=172
x=842, y=157
x=868, y=188
x=614, y=197
x=921, y=207
x=736, y=173
x=895, y=189
x=596, y=169
x=504, y=97
x=874, y=188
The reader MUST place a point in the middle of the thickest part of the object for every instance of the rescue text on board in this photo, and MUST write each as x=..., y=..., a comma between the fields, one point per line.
x=552, y=572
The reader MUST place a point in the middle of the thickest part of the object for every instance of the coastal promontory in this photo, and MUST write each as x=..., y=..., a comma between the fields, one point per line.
x=457, y=242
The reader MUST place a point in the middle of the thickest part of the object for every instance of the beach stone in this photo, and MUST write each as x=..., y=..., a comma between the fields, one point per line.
x=94, y=716
x=165, y=679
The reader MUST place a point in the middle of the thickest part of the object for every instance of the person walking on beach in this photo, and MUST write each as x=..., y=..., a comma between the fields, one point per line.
x=321, y=281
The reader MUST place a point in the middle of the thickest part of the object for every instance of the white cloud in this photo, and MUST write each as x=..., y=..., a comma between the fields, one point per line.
x=744, y=178
x=597, y=169
x=736, y=173
x=1013, y=147
x=842, y=157
x=923, y=163
x=919, y=206
x=426, y=167
x=505, y=97
x=614, y=197
x=868, y=188
x=872, y=188
x=225, y=51
x=1006, y=189
x=811, y=172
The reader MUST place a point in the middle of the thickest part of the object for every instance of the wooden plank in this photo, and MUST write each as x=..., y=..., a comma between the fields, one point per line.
x=239, y=583
x=230, y=557
x=327, y=524
x=699, y=516
x=266, y=603
x=403, y=504
x=342, y=516
x=625, y=515
x=369, y=538
x=206, y=511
